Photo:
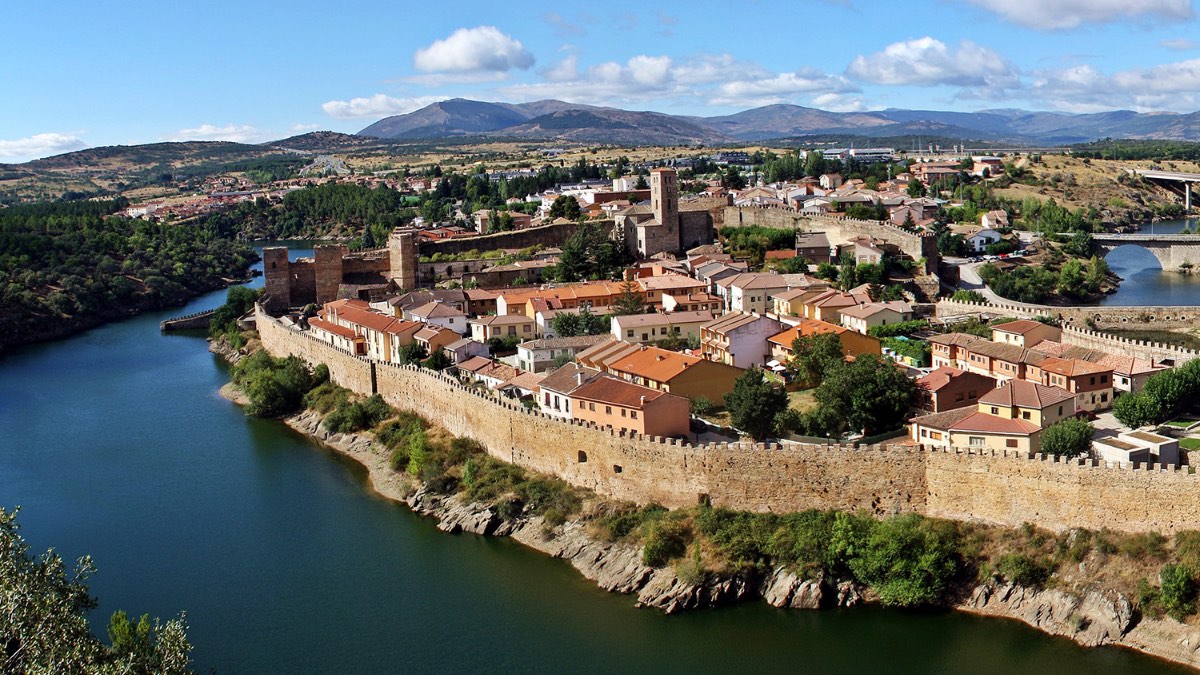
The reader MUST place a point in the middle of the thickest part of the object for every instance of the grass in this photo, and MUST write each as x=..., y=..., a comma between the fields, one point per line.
x=1181, y=423
x=1189, y=444
x=802, y=401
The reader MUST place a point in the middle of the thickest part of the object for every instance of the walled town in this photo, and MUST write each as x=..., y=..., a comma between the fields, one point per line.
x=695, y=368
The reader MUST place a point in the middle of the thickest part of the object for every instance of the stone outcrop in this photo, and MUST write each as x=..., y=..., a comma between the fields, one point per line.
x=1090, y=620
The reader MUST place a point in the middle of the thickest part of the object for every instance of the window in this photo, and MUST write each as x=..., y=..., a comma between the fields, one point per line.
x=1104, y=397
x=972, y=395
x=976, y=441
x=1103, y=379
x=924, y=433
x=1025, y=415
x=959, y=396
x=629, y=333
x=633, y=414
x=592, y=407
x=608, y=410
x=995, y=410
x=1060, y=411
x=1010, y=443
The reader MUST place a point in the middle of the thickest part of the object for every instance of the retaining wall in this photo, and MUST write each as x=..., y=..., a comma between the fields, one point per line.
x=1005, y=489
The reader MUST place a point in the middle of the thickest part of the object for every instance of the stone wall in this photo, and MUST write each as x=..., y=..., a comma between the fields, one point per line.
x=999, y=488
x=1143, y=349
x=1100, y=316
x=838, y=229
x=547, y=235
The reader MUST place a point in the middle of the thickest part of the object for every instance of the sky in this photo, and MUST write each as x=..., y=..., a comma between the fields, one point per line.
x=75, y=74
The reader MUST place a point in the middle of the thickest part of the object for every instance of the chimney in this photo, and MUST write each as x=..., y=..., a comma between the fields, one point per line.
x=643, y=401
x=579, y=378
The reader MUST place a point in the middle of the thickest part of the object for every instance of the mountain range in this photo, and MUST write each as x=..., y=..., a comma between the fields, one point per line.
x=552, y=119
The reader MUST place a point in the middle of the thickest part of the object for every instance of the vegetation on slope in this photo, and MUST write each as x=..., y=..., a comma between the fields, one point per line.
x=70, y=265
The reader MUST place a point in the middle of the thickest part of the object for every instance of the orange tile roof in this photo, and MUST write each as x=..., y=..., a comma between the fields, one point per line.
x=985, y=423
x=1073, y=367
x=329, y=327
x=1019, y=327
x=618, y=392
x=652, y=363
x=1024, y=394
x=806, y=328
x=944, y=375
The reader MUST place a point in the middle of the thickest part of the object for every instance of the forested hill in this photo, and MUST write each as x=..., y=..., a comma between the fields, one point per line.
x=67, y=266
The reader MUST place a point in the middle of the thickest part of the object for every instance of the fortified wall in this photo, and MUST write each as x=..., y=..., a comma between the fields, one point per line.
x=1000, y=488
x=837, y=228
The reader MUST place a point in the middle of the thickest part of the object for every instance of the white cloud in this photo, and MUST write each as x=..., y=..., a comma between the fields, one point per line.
x=1169, y=86
x=38, y=145
x=379, y=105
x=480, y=49
x=928, y=61
x=779, y=88
x=714, y=79
x=236, y=133
x=1179, y=44
x=562, y=27
x=839, y=103
x=1064, y=14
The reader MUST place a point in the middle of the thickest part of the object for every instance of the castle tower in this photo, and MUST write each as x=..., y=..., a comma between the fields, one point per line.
x=277, y=275
x=328, y=271
x=664, y=197
x=404, y=257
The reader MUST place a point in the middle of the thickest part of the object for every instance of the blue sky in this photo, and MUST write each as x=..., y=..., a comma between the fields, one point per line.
x=77, y=74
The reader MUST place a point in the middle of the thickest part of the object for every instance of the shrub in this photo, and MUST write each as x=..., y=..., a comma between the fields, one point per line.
x=1068, y=438
x=622, y=523
x=1024, y=570
x=908, y=560
x=1178, y=591
x=664, y=540
x=1147, y=545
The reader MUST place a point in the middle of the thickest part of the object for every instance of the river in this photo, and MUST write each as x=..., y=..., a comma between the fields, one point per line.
x=1143, y=281
x=116, y=444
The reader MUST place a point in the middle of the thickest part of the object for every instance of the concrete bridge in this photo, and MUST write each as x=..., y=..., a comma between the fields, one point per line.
x=1174, y=251
x=1176, y=181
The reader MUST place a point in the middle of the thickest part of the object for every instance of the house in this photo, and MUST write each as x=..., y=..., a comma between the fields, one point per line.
x=862, y=318
x=828, y=305
x=491, y=373
x=988, y=167
x=1129, y=372
x=948, y=349
x=831, y=181
x=554, y=391
x=623, y=406
x=439, y=314
x=1025, y=333
x=503, y=326
x=739, y=340
x=863, y=251
x=433, y=338
x=813, y=247
x=381, y=335
x=539, y=355
x=950, y=388
x=1138, y=446
x=680, y=374
x=480, y=302
x=453, y=297
x=1091, y=383
x=853, y=344
x=339, y=336
x=694, y=302
x=524, y=385
x=1010, y=418
x=464, y=348
x=790, y=303
x=649, y=328
x=993, y=220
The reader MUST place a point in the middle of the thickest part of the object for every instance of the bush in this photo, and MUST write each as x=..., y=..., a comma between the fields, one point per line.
x=624, y=522
x=275, y=387
x=1025, y=570
x=897, y=329
x=1178, y=591
x=664, y=540
x=908, y=560
x=1068, y=438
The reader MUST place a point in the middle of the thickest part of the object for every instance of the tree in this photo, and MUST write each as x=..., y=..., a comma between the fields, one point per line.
x=916, y=189
x=869, y=395
x=568, y=324
x=1070, y=278
x=813, y=356
x=43, y=622
x=438, y=361
x=1068, y=438
x=907, y=560
x=641, y=183
x=733, y=178
x=566, y=206
x=412, y=352
x=630, y=301
x=754, y=403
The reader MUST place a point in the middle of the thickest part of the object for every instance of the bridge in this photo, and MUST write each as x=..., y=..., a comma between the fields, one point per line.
x=1176, y=181
x=1174, y=251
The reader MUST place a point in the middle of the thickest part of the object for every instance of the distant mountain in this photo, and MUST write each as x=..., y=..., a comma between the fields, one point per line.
x=322, y=141
x=551, y=119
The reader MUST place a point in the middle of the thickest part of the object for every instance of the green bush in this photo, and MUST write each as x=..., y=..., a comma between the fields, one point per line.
x=1025, y=570
x=275, y=387
x=663, y=540
x=1068, y=438
x=908, y=560
x=1178, y=591
x=616, y=526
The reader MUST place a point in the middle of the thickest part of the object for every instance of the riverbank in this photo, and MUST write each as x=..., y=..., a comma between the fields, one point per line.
x=1090, y=618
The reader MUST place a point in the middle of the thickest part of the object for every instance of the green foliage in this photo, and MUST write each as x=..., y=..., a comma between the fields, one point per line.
x=437, y=361
x=411, y=353
x=870, y=395
x=358, y=416
x=1178, y=591
x=827, y=271
x=1025, y=570
x=1067, y=438
x=663, y=540
x=1165, y=395
x=622, y=523
x=1026, y=283
x=754, y=403
x=589, y=254
x=908, y=560
x=701, y=406
x=274, y=386
x=630, y=301
x=951, y=244
x=566, y=324
x=1125, y=149
x=963, y=295
x=44, y=605
x=74, y=264
x=567, y=207
x=898, y=329
x=917, y=350
x=741, y=239
x=238, y=301
x=813, y=356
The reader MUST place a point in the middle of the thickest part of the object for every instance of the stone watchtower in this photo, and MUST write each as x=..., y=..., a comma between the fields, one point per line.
x=277, y=277
x=403, y=258
x=327, y=271
x=664, y=198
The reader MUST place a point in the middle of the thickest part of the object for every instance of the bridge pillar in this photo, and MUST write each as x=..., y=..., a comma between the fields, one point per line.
x=1187, y=197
